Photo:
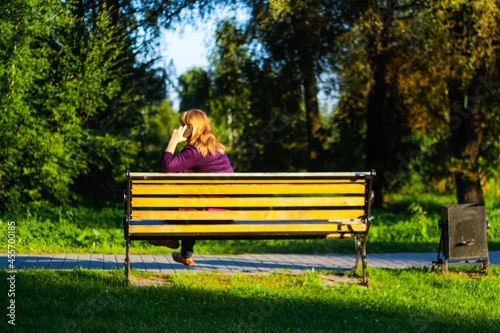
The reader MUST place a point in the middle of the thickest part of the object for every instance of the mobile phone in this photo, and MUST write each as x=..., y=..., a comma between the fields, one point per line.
x=188, y=132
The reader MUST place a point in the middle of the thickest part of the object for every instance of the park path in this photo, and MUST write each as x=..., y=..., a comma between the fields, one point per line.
x=247, y=263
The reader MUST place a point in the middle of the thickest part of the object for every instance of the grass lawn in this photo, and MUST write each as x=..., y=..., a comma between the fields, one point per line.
x=410, y=300
x=407, y=223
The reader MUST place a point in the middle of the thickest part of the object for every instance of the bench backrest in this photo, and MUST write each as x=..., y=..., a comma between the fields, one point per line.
x=220, y=197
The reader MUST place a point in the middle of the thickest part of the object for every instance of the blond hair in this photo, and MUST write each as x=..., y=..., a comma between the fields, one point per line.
x=201, y=137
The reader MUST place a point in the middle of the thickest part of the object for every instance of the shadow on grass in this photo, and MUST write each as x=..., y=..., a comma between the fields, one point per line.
x=96, y=301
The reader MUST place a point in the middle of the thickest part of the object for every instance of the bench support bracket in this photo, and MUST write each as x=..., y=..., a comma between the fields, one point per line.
x=127, y=264
x=360, y=248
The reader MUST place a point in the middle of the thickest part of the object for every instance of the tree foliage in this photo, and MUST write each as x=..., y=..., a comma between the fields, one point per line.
x=66, y=93
x=194, y=90
x=297, y=36
x=411, y=67
x=463, y=40
x=258, y=102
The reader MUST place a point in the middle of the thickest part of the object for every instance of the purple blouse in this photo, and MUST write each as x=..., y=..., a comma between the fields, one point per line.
x=190, y=160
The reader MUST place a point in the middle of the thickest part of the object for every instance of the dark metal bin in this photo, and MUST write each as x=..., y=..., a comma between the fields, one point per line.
x=463, y=236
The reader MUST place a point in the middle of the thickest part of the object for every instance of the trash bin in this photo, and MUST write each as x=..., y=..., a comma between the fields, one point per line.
x=463, y=236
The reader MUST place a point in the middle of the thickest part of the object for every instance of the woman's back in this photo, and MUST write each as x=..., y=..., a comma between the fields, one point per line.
x=190, y=160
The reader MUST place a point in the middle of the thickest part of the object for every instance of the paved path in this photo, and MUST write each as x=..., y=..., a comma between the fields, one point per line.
x=249, y=263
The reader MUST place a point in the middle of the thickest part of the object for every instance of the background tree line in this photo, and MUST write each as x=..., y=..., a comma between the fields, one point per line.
x=417, y=85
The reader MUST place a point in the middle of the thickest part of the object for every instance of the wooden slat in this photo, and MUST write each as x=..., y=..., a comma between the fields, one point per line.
x=261, y=175
x=248, y=202
x=247, y=189
x=244, y=228
x=250, y=181
x=264, y=215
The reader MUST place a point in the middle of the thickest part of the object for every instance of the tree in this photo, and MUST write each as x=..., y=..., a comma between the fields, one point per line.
x=194, y=90
x=64, y=97
x=462, y=39
x=416, y=69
x=230, y=93
x=297, y=35
x=260, y=105
x=375, y=66
x=41, y=130
x=115, y=129
x=159, y=123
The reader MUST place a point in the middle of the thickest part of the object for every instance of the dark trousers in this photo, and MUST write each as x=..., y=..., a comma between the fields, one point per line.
x=187, y=247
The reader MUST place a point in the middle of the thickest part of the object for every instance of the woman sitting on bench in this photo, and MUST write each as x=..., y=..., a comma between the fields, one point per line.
x=202, y=154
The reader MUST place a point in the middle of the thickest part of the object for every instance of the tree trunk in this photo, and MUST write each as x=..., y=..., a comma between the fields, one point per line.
x=375, y=129
x=466, y=136
x=377, y=133
x=313, y=117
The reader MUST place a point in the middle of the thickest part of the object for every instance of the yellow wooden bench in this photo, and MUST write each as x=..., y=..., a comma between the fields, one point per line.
x=253, y=206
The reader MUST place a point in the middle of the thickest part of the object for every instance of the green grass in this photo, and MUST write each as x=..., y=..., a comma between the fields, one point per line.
x=410, y=300
x=407, y=223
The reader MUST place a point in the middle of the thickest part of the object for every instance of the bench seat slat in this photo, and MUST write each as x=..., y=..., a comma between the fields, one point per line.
x=253, y=189
x=264, y=175
x=264, y=215
x=208, y=229
x=248, y=202
x=248, y=181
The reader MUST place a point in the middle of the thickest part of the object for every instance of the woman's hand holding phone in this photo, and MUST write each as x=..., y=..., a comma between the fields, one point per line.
x=178, y=135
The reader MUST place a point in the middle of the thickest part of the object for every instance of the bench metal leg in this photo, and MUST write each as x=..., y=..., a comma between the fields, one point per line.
x=360, y=248
x=365, y=263
x=485, y=265
x=127, y=263
x=357, y=248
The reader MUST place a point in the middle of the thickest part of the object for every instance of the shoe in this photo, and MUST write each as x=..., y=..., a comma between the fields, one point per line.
x=173, y=244
x=177, y=256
